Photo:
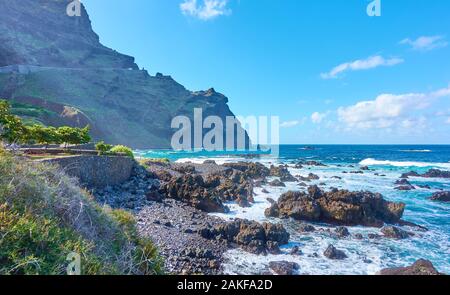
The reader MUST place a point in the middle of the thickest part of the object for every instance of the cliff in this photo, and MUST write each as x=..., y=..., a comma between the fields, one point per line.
x=55, y=71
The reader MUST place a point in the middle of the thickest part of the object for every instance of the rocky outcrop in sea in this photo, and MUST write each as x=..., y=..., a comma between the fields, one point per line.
x=337, y=207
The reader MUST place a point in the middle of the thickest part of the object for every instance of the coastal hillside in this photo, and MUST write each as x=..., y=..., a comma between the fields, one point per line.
x=45, y=217
x=55, y=71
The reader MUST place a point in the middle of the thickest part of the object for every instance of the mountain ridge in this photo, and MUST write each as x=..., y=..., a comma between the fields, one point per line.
x=52, y=61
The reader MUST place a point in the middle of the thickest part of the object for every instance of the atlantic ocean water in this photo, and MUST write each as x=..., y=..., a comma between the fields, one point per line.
x=365, y=256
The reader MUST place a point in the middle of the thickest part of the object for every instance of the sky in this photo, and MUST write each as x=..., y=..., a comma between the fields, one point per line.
x=332, y=73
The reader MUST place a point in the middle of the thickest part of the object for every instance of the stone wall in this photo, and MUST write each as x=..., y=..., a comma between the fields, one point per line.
x=96, y=171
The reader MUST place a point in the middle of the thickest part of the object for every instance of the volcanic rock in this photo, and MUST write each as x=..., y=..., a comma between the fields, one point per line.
x=340, y=207
x=421, y=267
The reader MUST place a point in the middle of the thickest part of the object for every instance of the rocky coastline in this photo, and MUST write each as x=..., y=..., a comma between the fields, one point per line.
x=172, y=202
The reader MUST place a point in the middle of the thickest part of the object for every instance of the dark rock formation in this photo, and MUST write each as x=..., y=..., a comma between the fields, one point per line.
x=332, y=253
x=277, y=183
x=394, y=232
x=337, y=207
x=250, y=236
x=432, y=173
x=342, y=232
x=420, y=268
x=194, y=191
x=310, y=177
x=405, y=188
x=312, y=163
x=250, y=169
x=284, y=268
x=283, y=173
x=306, y=228
x=204, y=186
x=56, y=63
x=441, y=197
x=403, y=181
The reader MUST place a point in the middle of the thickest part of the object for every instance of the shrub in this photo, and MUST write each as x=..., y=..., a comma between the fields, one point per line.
x=43, y=135
x=44, y=216
x=11, y=128
x=121, y=149
x=69, y=135
x=103, y=148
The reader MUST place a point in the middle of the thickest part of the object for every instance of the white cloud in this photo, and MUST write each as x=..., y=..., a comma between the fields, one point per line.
x=361, y=64
x=317, y=117
x=207, y=10
x=426, y=43
x=448, y=120
x=389, y=110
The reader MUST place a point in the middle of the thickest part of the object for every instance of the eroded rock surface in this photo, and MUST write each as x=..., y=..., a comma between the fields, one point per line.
x=340, y=207
x=420, y=268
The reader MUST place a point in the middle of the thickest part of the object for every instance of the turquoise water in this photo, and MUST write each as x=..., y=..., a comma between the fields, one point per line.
x=365, y=256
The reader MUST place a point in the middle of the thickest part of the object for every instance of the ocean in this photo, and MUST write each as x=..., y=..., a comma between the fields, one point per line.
x=366, y=256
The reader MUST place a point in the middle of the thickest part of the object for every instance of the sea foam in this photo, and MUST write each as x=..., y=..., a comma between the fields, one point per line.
x=374, y=162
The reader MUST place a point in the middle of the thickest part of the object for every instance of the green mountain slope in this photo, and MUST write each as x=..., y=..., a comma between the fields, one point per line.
x=54, y=62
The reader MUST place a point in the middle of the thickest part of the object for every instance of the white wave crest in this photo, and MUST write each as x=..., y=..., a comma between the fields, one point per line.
x=416, y=151
x=373, y=162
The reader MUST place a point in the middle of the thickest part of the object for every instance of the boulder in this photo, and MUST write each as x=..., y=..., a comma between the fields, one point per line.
x=342, y=232
x=332, y=253
x=403, y=181
x=441, y=197
x=250, y=169
x=306, y=228
x=283, y=173
x=277, y=183
x=421, y=267
x=192, y=189
x=339, y=207
x=432, y=173
x=405, y=188
x=250, y=235
x=310, y=177
x=284, y=268
x=296, y=251
x=394, y=232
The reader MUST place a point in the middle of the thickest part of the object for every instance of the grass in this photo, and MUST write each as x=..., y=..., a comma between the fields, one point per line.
x=22, y=109
x=44, y=216
x=157, y=161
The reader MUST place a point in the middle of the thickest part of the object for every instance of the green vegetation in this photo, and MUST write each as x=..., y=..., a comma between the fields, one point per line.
x=107, y=149
x=45, y=216
x=11, y=127
x=44, y=135
x=69, y=135
x=14, y=131
x=162, y=161
x=121, y=149
x=27, y=110
x=103, y=148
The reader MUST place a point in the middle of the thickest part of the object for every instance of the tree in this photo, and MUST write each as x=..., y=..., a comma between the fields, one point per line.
x=13, y=131
x=69, y=135
x=44, y=135
x=103, y=148
x=11, y=128
x=84, y=136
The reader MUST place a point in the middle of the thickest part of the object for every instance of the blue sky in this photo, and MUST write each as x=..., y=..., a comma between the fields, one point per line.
x=332, y=73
